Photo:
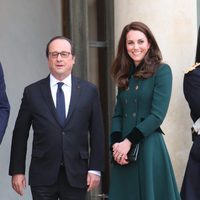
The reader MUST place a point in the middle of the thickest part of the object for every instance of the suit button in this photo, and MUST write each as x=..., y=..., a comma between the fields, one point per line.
x=63, y=133
x=125, y=114
x=136, y=87
x=134, y=114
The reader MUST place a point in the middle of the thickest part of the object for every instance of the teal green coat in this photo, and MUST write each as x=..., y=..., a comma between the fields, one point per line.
x=143, y=106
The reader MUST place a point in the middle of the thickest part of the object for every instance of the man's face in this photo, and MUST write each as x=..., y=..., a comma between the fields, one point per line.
x=60, y=59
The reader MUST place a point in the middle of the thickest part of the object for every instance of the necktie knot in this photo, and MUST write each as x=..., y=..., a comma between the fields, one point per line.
x=60, y=84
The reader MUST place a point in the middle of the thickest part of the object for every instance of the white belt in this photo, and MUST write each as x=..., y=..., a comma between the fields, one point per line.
x=196, y=126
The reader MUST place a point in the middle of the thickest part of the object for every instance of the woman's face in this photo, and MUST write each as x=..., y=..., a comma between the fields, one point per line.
x=137, y=45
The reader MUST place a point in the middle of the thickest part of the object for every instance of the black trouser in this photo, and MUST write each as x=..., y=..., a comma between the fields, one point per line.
x=60, y=190
x=190, y=189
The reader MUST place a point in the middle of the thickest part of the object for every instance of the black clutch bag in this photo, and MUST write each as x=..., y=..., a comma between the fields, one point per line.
x=133, y=153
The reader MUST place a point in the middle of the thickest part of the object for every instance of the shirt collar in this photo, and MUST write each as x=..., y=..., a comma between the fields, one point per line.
x=67, y=81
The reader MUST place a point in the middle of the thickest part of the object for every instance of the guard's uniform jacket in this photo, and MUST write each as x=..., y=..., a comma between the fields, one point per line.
x=191, y=86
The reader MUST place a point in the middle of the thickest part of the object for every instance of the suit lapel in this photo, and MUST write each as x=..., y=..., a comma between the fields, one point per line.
x=74, y=96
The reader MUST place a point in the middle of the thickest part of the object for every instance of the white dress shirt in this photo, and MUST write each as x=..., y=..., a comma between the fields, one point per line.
x=67, y=88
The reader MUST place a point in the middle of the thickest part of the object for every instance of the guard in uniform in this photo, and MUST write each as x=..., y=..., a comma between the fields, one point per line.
x=190, y=189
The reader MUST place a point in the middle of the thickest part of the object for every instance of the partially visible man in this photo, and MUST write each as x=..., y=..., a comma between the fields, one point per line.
x=4, y=106
x=190, y=189
x=67, y=154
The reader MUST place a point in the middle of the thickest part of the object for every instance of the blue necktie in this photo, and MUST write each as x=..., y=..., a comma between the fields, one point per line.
x=60, y=103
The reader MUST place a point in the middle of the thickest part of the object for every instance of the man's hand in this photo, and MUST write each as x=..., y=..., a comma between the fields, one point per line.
x=93, y=181
x=19, y=183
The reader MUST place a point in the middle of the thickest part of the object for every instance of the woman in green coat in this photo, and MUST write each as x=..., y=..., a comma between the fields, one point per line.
x=144, y=90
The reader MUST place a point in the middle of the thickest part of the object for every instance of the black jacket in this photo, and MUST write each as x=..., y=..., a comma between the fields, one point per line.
x=51, y=140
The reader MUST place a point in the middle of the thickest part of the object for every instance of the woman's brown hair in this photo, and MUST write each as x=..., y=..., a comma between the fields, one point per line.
x=120, y=69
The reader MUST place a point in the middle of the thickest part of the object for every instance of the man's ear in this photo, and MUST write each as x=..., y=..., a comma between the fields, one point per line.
x=74, y=59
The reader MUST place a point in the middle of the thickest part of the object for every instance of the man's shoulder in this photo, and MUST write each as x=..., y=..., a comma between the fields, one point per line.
x=193, y=68
x=84, y=83
x=38, y=83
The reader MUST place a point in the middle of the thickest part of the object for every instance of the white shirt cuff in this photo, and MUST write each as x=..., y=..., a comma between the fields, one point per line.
x=98, y=173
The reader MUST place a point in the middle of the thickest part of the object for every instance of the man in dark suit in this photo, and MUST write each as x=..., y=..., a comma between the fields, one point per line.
x=67, y=155
x=4, y=106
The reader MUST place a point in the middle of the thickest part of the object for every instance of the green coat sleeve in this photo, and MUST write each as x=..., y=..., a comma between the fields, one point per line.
x=160, y=101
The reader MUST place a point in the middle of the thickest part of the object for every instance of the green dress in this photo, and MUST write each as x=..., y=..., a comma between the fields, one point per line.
x=144, y=106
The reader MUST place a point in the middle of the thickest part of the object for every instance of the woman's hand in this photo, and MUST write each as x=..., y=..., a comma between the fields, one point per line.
x=120, y=151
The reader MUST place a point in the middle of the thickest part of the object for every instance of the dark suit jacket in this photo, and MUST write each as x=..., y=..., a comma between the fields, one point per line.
x=4, y=106
x=191, y=88
x=190, y=189
x=50, y=140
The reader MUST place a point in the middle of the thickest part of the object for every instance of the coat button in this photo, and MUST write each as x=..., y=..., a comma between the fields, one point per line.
x=136, y=87
x=125, y=115
x=134, y=114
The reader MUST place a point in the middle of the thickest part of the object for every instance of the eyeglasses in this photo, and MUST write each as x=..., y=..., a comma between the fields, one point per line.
x=63, y=54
